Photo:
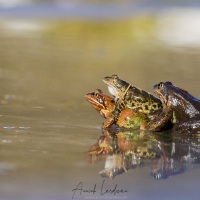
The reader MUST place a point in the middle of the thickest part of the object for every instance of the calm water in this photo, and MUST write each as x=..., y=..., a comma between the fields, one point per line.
x=47, y=127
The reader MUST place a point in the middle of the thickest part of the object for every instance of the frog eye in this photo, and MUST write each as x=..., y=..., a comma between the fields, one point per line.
x=114, y=76
x=97, y=92
x=160, y=85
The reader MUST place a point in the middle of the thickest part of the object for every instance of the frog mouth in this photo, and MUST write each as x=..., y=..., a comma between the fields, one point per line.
x=91, y=100
x=95, y=103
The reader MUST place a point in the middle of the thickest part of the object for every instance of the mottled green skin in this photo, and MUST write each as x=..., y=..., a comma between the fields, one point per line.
x=128, y=96
x=134, y=120
x=178, y=107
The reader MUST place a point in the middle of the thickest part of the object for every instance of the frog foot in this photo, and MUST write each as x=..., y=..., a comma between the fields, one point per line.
x=144, y=126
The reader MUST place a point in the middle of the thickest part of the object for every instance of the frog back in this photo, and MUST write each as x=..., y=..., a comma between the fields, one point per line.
x=184, y=105
x=142, y=101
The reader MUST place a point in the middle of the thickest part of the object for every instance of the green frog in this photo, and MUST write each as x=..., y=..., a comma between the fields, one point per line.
x=104, y=104
x=179, y=107
x=130, y=97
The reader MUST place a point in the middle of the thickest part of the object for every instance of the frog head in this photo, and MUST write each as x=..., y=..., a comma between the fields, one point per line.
x=101, y=102
x=162, y=90
x=116, y=86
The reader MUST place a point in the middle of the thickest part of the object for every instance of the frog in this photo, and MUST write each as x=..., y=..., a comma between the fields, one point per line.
x=130, y=97
x=179, y=107
x=105, y=104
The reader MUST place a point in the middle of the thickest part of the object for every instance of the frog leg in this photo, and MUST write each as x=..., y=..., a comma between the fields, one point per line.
x=115, y=115
x=105, y=113
x=144, y=125
x=108, y=122
x=160, y=121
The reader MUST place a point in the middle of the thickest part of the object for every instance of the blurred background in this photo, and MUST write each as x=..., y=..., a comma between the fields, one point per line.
x=53, y=52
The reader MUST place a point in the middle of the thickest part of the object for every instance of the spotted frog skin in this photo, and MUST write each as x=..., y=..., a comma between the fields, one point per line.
x=130, y=97
x=104, y=104
x=178, y=106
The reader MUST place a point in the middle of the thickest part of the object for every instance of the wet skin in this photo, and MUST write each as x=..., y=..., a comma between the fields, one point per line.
x=130, y=97
x=101, y=102
x=104, y=104
x=179, y=107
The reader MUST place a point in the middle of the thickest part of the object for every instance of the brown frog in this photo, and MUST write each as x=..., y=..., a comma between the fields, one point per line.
x=104, y=104
x=101, y=102
x=179, y=107
x=130, y=97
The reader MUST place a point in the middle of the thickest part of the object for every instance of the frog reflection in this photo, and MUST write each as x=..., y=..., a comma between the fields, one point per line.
x=123, y=151
x=117, y=164
x=178, y=157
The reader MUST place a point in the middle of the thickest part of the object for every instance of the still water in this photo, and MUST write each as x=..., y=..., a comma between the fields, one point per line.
x=47, y=127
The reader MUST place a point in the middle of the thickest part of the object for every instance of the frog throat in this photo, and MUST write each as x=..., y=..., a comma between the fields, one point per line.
x=161, y=96
x=113, y=91
x=163, y=99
